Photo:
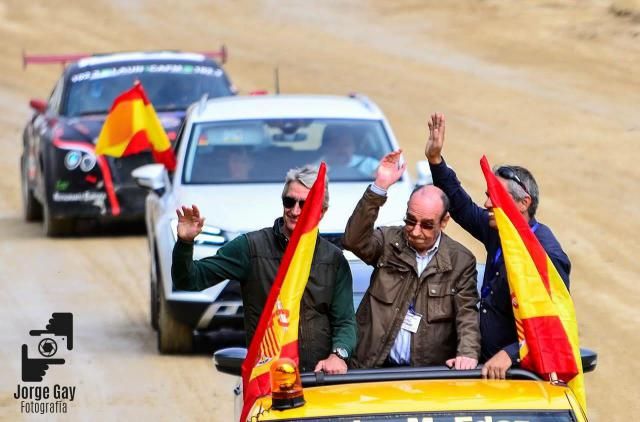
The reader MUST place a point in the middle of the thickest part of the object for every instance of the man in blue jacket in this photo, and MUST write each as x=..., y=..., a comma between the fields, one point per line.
x=497, y=323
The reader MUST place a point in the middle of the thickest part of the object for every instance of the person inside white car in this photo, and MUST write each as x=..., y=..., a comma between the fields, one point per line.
x=339, y=146
x=240, y=164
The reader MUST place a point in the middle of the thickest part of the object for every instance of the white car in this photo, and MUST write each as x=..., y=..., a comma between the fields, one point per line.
x=233, y=154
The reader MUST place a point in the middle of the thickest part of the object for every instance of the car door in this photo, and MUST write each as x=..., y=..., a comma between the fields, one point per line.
x=42, y=135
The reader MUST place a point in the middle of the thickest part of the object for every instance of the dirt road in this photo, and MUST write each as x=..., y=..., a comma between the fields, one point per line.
x=550, y=85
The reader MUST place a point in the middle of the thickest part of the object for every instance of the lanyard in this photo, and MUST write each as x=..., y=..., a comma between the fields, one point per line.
x=484, y=292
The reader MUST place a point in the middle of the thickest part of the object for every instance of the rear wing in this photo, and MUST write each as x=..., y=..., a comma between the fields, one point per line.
x=221, y=55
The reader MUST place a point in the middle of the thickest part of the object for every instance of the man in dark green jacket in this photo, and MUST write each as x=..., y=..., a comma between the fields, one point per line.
x=327, y=333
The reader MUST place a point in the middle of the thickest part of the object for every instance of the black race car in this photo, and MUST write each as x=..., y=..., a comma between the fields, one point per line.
x=63, y=180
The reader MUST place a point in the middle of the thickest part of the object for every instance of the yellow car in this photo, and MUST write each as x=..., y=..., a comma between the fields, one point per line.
x=434, y=394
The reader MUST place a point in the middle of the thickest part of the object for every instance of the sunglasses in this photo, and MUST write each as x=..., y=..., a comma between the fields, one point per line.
x=289, y=202
x=424, y=225
x=507, y=172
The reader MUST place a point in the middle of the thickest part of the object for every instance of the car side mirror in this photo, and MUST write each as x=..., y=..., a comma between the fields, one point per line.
x=151, y=176
x=589, y=360
x=229, y=360
x=424, y=173
x=38, y=105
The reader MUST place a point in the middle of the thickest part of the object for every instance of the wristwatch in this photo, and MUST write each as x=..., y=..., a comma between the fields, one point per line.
x=341, y=353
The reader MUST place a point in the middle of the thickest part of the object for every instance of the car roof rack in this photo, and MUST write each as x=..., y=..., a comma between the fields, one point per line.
x=229, y=361
x=363, y=99
x=312, y=379
x=222, y=54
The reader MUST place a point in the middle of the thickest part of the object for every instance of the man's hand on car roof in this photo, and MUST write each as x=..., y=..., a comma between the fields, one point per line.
x=462, y=362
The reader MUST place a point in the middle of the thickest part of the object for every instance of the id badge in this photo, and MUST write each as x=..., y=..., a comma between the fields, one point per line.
x=411, y=321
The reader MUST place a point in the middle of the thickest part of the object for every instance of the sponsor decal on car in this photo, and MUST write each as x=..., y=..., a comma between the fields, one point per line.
x=62, y=185
x=112, y=72
x=85, y=196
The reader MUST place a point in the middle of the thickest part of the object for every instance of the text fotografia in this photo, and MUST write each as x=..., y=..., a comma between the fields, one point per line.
x=44, y=399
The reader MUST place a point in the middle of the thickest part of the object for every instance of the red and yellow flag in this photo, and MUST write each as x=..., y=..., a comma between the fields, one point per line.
x=132, y=126
x=543, y=309
x=277, y=332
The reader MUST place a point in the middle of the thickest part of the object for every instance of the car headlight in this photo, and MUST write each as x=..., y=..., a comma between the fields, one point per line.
x=210, y=235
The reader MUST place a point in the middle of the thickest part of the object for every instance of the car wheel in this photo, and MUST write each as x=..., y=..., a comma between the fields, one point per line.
x=173, y=335
x=154, y=299
x=56, y=226
x=31, y=208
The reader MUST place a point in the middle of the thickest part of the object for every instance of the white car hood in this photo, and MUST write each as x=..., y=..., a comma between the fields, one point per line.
x=241, y=208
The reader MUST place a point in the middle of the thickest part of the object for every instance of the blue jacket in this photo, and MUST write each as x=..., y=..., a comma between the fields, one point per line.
x=497, y=323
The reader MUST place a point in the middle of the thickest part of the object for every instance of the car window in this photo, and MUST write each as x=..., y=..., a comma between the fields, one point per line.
x=470, y=416
x=260, y=151
x=168, y=86
x=56, y=95
x=179, y=136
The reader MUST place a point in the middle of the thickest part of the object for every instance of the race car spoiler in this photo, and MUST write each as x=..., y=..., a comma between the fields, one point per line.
x=64, y=59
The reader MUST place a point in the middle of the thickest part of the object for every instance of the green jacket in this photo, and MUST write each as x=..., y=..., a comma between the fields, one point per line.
x=327, y=318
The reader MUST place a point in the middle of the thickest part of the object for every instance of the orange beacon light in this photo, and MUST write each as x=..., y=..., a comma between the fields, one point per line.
x=286, y=387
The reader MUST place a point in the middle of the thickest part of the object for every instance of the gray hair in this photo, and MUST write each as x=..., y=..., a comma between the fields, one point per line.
x=306, y=176
x=516, y=191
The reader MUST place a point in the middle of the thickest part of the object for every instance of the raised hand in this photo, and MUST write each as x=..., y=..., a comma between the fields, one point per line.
x=189, y=223
x=389, y=170
x=433, y=149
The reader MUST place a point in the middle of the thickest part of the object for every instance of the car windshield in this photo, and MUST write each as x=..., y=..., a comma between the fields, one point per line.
x=172, y=86
x=262, y=151
x=471, y=416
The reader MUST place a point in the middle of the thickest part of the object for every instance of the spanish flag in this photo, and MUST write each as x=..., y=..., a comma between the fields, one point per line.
x=132, y=126
x=277, y=333
x=545, y=316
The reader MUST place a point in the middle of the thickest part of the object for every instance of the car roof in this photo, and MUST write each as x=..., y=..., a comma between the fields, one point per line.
x=422, y=396
x=139, y=56
x=285, y=106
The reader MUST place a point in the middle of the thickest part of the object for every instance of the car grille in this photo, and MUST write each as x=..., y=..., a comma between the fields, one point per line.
x=123, y=166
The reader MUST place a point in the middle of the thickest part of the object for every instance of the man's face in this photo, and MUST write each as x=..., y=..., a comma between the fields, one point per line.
x=522, y=205
x=424, y=223
x=298, y=192
x=340, y=149
x=240, y=164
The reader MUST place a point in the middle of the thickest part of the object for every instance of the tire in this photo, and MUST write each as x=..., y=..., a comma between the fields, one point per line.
x=154, y=298
x=31, y=208
x=56, y=226
x=173, y=335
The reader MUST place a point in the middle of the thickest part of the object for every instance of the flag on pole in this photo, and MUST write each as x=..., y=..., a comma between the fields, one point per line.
x=277, y=333
x=132, y=126
x=543, y=309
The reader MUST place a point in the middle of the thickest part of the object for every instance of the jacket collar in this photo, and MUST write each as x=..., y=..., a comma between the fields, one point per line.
x=281, y=238
x=440, y=263
x=277, y=231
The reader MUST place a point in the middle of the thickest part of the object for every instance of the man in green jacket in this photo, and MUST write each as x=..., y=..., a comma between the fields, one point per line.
x=327, y=333
x=420, y=307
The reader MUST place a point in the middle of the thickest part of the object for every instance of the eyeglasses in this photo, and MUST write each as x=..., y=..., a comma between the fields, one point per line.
x=289, y=202
x=424, y=225
x=507, y=172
